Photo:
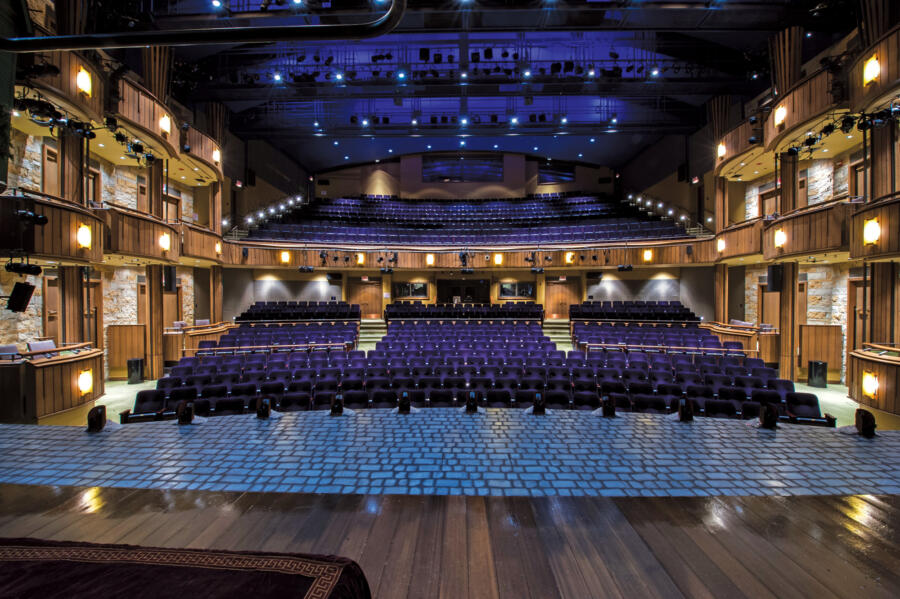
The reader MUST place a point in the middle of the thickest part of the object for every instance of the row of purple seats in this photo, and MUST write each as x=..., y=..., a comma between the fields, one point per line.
x=631, y=311
x=262, y=311
x=509, y=310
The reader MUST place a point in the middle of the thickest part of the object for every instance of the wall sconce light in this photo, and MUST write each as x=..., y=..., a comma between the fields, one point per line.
x=360, y=258
x=871, y=70
x=721, y=151
x=570, y=258
x=780, y=115
x=165, y=242
x=83, y=236
x=429, y=259
x=86, y=381
x=780, y=238
x=720, y=245
x=165, y=124
x=648, y=255
x=83, y=82
x=871, y=231
x=285, y=257
x=498, y=259
x=870, y=384
x=217, y=156
x=218, y=247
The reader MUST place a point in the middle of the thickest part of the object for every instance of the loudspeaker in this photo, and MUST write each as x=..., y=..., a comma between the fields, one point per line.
x=337, y=405
x=596, y=275
x=471, y=403
x=185, y=412
x=865, y=423
x=96, y=419
x=331, y=277
x=245, y=252
x=689, y=250
x=768, y=416
x=250, y=178
x=403, y=404
x=263, y=407
x=539, y=407
x=608, y=407
x=685, y=410
x=169, y=285
x=424, y=54
x=775, y=277
x=20, y=296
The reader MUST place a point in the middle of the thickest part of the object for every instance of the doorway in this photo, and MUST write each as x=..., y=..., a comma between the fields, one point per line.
x=559, y=295
x=367, y=294
x=467, y=291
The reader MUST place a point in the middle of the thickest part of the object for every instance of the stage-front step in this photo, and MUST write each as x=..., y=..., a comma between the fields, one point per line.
x=558, y=331
x=370, y=332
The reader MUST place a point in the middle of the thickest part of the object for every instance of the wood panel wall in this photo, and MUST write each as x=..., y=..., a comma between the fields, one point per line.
x=63, y=85
x=124, y=341
x=134, y=234
x=887, y=369
x=820, y=228
x=41, y=387
x=888, y=51
x=789, y=173
x=199, y=243
x=142, y=110
x=785, y=51
x=736, y=141
x=748, y=338
x=741, y=239
x=883, y=162
x=157, y=67
x=884, y=304
x=821, y=342
x=888, y=214
x=808, y=99
x=202, y=148
x=266, y=254
x=787, y=326
x=194, y=336
x=71, y=167
x=153, y=364
x=56, y=239
x=215, y=294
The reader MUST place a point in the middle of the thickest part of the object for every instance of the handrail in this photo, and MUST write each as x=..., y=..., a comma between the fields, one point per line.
x=269, y=348
x=882, y=347
x=217, y=35
x=808, y=209
x=664, y=348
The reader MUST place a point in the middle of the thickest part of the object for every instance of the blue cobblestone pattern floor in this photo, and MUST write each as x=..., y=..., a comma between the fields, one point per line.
x=442, y=451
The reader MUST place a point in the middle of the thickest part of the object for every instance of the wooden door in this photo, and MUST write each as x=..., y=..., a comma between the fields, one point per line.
x=856, y=318
x=142, y=303
x=51, y=309
x=769, y=311
x=171, y=306
x=559, y=295
x=367, y=294
x=50, y=171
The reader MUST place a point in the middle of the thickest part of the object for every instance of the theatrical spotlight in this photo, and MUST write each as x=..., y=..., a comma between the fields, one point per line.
x=30, y=217
x=23, y=268
x=464, y=258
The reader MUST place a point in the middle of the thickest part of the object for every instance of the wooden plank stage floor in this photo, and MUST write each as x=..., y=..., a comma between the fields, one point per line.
x=495, y=547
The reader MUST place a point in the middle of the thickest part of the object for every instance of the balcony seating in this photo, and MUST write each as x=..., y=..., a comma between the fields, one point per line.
x=534, y=221
x=284, y=311
x=419, y=311
x=635, y=311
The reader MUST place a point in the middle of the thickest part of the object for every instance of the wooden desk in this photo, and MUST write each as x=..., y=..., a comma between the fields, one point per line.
x=886, y=368
x=821, y=342
x=44, y=386
x=173, y=341
x=123, y=342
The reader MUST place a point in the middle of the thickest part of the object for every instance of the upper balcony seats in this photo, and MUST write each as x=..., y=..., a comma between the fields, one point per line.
x=285, y=310
x=509, y=310
x=534, y=221
x=669, y=311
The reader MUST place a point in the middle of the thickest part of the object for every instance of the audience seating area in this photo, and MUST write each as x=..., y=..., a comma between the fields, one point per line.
x=280, y=311
x=682, y=336
x=510, y=310
x=501, y=364
x=632, y=311
x=283, y=337
x=542, y=220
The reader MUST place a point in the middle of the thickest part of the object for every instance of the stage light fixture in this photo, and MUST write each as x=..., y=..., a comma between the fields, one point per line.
x=871, y=231
x=83, y=236
x=83, y=82
x=29, y=216
x=23, y=268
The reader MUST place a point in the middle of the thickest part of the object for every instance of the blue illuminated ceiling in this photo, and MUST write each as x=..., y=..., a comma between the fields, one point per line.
x=582, y=80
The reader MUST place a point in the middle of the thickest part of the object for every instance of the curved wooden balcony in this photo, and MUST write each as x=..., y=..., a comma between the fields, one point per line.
x=741, y=239
x=132, y=233
x=865, y=96
x=886, y=212
x=810, y=230
x=201, y=243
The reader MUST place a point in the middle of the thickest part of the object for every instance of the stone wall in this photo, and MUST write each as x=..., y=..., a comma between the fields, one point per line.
x=25, y=164
x=120, y=298
x=186, y=275
x=841, y=177
x=819, y=181
x=119, y=183
x=751, y=292
x=21, y=327
x=826, y=298
x=751, y=201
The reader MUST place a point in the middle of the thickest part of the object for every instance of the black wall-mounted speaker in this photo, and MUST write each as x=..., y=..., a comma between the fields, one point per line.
x=20, y=297
x=169, y=280
x=775, y=277
x=689, y=250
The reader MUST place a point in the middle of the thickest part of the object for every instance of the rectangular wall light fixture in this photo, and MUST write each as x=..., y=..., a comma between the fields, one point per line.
x=871, y=231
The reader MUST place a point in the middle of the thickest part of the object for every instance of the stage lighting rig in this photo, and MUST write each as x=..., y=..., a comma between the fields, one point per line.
x=30, y=217
x=23, y=268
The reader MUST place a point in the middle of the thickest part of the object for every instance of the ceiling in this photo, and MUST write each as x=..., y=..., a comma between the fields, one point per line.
x=590, y=80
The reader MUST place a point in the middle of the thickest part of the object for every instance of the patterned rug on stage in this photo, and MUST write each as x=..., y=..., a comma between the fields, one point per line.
x=36, y=568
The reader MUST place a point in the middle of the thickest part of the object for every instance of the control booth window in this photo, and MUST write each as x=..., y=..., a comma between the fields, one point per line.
x=410, y=290
x=453, y=168
x=556, y=172
x=518, y=289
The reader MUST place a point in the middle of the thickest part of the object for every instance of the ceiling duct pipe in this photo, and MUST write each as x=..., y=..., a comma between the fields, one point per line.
x=218, y=35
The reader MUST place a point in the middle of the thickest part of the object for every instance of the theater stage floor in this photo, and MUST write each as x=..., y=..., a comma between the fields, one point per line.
x=442, y=451
x=515, y=547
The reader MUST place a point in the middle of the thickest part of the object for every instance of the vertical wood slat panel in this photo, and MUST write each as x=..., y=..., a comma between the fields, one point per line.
x=155, y=327
x=124, y=342
x=788, y=323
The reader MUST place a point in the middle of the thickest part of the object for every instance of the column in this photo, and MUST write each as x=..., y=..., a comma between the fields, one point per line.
x=789, y=338
x=721, y=291
x=153, y=369
x=215, y=294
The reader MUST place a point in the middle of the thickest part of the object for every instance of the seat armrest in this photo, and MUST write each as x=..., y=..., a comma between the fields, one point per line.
x=123, y=416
